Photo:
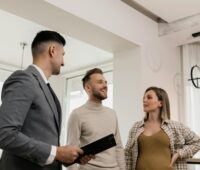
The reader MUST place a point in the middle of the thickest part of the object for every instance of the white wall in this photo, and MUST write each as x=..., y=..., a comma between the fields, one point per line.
x=160, y=65
x=127, y=89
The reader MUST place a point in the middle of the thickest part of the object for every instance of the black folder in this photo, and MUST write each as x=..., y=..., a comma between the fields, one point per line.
x=96, y=147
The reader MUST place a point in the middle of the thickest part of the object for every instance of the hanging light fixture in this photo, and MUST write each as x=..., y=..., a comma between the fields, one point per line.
x=23, y=45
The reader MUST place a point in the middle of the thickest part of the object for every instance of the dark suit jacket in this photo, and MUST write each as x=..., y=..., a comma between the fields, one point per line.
x=29, y=122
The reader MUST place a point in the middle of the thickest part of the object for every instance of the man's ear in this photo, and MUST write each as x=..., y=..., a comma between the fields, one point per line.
x=51, y=50
x=87, y=87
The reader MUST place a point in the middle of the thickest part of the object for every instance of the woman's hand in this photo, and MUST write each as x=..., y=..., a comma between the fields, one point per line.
x=174, y=159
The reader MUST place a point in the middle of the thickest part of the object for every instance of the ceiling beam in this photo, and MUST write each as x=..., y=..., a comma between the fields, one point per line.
x=144, y=11
x=187, y=23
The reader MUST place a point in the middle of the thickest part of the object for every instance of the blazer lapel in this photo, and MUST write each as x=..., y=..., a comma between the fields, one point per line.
x=48, y=96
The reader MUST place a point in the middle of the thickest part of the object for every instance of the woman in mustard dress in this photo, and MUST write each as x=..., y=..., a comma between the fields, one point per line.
x=156, y=142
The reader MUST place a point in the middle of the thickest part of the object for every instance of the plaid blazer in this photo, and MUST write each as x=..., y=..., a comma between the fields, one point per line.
x=182, y=140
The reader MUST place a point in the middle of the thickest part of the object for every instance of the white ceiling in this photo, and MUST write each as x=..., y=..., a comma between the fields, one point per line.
x=15, y=30
x=171, y=10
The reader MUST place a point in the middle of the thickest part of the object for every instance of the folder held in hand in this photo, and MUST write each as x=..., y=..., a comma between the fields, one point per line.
x=96, y=147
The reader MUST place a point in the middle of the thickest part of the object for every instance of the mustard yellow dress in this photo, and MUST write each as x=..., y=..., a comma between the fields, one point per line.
x=154, y=152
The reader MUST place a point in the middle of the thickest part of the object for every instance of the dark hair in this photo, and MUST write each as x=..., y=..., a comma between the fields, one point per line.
x=86, y=78
x=163, y=97
x=45, y=36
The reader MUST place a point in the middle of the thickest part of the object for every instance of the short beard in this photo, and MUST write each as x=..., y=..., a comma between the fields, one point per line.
x=99, y=96
x=56, y=72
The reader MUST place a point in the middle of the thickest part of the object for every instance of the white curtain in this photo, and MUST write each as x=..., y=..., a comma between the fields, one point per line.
x=190, y=113
x=191, y=97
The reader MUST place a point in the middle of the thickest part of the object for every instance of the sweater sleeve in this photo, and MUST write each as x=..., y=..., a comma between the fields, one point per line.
x=73, y=134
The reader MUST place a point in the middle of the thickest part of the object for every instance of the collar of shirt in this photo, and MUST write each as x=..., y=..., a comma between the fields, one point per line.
x=41, y=73
x=142, y=122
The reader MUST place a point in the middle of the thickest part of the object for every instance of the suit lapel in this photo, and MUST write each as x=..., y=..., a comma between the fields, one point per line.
x=48, y=95
x=56, y=101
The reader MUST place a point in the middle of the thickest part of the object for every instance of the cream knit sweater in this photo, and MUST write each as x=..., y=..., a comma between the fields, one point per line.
x=89, y=123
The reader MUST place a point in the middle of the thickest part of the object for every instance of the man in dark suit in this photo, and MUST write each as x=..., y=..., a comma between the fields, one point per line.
x=30, y=114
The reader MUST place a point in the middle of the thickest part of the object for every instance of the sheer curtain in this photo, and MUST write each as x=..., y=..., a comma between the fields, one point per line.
x=191, y=96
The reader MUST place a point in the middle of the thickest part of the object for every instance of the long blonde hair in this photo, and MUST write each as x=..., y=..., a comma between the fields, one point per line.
x=163, y=97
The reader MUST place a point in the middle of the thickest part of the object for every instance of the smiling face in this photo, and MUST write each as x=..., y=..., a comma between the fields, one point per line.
x=96, y=87
x=151, y=103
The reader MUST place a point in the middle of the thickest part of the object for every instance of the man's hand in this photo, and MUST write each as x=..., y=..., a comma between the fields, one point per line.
x=68, y=154
x=85, y=159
